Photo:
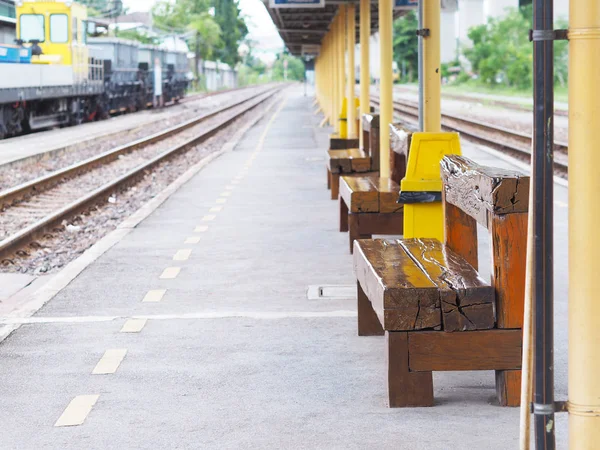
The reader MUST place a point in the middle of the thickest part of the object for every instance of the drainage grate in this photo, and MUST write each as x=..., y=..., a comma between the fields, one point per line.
x=331, y=291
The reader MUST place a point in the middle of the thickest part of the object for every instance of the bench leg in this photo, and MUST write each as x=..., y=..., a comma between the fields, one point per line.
x=328, y=178
x=508, y=387
x=343, y=215
x=405, y=388
x=335, y=186
x=354, y=231
x=368, y=322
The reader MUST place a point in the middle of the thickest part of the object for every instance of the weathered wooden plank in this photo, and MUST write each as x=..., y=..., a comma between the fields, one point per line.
x=467, y=301
x=368, y=322
x=460, y=232
x=479, y=190
x=360, y=194
x=360, y=163
x=339, y=161
x=389, y=192
x=337, y=143
x=380, y=223
x=400, y=139
x=469, y=350
x=370, y=121
x=392, y=280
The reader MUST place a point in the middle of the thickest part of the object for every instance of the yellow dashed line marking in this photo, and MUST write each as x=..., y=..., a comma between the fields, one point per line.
x=110, y=362
x=200, y=228
x=221, y=200
x=134, y=325
x=154, y=296
x=77, y=411
x=225, y=194
x=182, y=255
x=561, y=204
x=216, y=209
x=170, y=272
x=208, y=218
x=192, y=240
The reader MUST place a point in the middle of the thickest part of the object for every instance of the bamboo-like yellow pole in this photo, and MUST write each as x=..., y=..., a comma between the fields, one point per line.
x=351, y=79
x=584, y=217
x=385, y=85
x=335, y=76
x=341, y=70
x=432, y=88
x=365, y=75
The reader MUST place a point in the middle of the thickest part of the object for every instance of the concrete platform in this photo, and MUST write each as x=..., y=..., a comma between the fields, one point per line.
x=234, y=354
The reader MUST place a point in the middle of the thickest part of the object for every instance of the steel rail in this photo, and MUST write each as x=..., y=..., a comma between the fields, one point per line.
x=25, y=235
x=38, y=185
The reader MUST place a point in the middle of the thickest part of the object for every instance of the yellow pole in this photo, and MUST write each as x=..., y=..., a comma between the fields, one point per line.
x=432, y=88
x=584, y=217
x=385, y=85
x=335, y=77
x=351, y=81
x=341, y=70
x=365, y=75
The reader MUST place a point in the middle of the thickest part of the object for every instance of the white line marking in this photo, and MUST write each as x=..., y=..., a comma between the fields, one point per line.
x=209, y=218
x=182, y=255
x=110, y=361
x=154, y=295
x=221, y=200
x=200, y=229
x=170, y=272
x=134, y=325
x=77, y=411
x=258, y=315
x=216, y=209
x=192, y=240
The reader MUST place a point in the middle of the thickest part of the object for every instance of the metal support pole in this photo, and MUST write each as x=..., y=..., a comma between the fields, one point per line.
x=385, y=89
x=584, y=217
x=543, y=214
x=432, y=89
x=365, y=75
x=351, y=80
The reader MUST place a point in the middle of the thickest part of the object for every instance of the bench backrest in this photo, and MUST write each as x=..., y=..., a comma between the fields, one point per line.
x=400, y=140
x=498, y=199
x=371, y=138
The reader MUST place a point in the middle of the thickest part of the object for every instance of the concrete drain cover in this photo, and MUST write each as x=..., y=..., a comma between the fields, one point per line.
x=331, y=291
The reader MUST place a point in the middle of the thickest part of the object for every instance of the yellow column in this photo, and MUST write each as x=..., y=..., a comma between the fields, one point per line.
x=351, y=79
x=385, y=86
x=365, y=75
x=335, y=77
x=584, y=217
x=432, y=88
x=341, y=70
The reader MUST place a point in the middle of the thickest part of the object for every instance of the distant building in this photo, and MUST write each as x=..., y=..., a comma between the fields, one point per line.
x=7, y=22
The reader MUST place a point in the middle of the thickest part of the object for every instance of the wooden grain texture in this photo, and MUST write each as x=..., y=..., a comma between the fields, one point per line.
x=379, y=223
x=348, y=161
x=354, y=232
x=368, y=322
x=392, y=280
x=336, y=143
x=509, y=248
x=335, y=185
x=343, y=215
x=508, y=387
x=360, y=194
x=467, y=301
x=479, y=190
x=360, y=164
x=405, y=388
x=400, y=139
x=389, y=192
x=468, y=350
x=460, y=232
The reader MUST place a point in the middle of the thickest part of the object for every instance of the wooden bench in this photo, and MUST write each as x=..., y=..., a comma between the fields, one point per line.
x=338, y=143
x=428, y=299
x=387, y=217
x=341, y=163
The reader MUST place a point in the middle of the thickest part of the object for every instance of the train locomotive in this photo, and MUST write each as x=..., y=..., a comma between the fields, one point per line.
x=55, y=75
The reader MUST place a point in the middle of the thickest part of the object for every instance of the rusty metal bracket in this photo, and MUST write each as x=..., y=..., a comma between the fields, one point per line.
x=549, y=408
x=548, y=35
x=424, y=32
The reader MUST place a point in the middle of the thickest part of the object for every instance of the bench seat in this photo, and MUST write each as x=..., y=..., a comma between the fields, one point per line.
x=368, y=206
x=341, y=162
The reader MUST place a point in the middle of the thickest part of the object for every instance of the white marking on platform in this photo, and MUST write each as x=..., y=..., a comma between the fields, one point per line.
x=200, y=228
x=134, y=325
x=182, y=255
x=209, y=218
x=561, y=204
x=225, y=194
x=221, y=200
x=170, y=272
x=154, y=296
x=135, y=320
x=77, y=411
x=216, y=209
x=110, y=362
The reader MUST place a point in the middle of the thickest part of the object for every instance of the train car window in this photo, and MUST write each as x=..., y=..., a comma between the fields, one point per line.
x=32, y=27
x=59, y=28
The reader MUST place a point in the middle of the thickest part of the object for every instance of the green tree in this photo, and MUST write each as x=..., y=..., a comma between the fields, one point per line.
x=233, y=27
x=104, y=8
x=295, y=69
x=207, y=38
x=406, y=45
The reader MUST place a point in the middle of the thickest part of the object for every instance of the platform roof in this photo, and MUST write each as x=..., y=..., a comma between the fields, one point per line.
x=298, y=26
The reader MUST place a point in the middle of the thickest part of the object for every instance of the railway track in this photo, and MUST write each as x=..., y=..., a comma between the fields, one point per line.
x=34, y=207
x=514, y=143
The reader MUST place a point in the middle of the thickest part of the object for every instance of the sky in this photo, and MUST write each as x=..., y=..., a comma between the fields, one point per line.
x=262, y=31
